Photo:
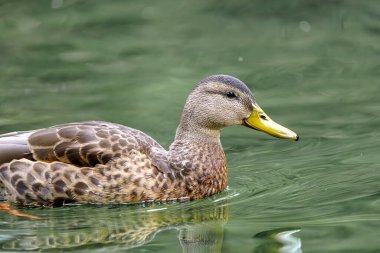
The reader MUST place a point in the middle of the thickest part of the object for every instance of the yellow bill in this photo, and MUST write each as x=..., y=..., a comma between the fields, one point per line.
x=260, y=121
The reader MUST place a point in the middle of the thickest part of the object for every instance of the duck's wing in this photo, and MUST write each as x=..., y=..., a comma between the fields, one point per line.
x=81, y=144
x=88, y=143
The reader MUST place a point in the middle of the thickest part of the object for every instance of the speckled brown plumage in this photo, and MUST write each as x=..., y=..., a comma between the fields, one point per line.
x=105, y=162
x=99, y=162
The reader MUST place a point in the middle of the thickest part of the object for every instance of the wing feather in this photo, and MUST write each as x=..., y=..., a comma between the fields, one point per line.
x=84, y=144
x=89, y=143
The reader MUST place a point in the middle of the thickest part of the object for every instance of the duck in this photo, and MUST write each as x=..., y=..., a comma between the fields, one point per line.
x=103, y=162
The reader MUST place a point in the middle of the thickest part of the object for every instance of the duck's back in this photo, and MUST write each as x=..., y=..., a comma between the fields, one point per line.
x=82, y=144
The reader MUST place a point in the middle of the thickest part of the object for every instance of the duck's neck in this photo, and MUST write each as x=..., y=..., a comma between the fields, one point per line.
x=198, y=154
x=190, y=131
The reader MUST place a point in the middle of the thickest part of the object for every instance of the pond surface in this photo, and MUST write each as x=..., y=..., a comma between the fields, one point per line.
x=314, y=66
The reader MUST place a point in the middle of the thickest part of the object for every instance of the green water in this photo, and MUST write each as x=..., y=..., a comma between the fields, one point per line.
x=314, y=66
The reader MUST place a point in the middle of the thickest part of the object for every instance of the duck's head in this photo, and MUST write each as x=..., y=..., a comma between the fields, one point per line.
x=221, y=100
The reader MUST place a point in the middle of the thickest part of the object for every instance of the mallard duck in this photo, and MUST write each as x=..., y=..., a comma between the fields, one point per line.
x=101, y=162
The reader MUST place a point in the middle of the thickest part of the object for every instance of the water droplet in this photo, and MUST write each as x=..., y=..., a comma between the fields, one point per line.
x=304, y=26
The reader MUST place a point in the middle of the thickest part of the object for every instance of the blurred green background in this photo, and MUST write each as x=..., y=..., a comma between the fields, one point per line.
x=313, y=66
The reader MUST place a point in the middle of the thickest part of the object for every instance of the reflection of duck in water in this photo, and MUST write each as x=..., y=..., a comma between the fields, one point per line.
x=87, y=227
x=105, y=162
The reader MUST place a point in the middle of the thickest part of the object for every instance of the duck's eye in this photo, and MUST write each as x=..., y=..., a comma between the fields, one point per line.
x=263, y=117
x=231, y=94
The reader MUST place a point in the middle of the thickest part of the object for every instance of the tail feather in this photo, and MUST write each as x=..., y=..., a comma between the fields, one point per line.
x=14, y=146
